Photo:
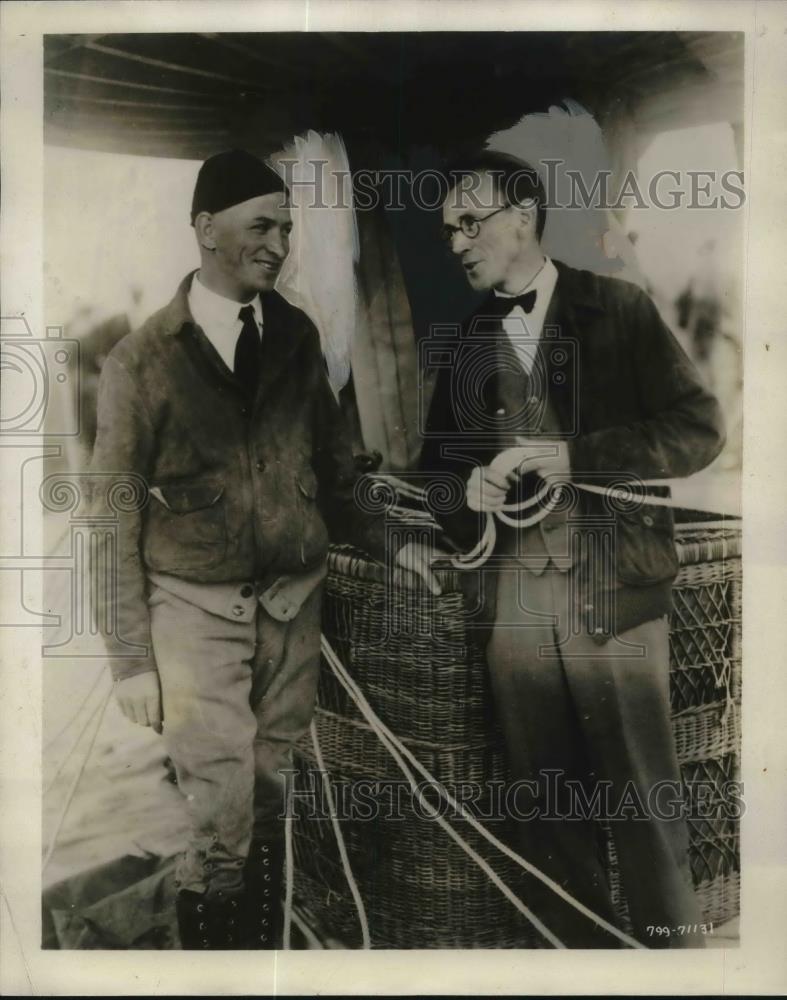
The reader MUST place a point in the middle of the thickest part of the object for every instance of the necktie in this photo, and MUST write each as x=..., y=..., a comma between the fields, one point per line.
x=504, y=305
x=247, y=352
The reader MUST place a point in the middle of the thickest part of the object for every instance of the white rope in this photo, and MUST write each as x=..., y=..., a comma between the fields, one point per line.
x=74, y=784
x=67, y=757
x=67, y=725
x=526, y=522
x=356, y=893
x=484, y=549
x=629, y=495
x=397, y=750
x=388, y=741
x=731, y=522
x=479, y=555
x=402, y=487
x=314, y=942
x=531, y=501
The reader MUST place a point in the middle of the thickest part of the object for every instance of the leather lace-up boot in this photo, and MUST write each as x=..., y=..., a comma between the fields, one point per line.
x=263, y=916
x=209, y=922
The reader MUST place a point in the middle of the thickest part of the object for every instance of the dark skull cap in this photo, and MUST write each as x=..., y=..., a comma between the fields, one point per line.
x=230, y=178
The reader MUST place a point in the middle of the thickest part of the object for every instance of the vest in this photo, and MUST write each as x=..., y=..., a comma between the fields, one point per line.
x=523, y=401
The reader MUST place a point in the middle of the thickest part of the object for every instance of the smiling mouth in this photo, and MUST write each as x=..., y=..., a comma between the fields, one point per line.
x=269, y=265
x=468, y=265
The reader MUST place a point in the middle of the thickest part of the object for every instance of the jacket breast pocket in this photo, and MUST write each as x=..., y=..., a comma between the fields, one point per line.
x=645, y=546
x=186, y=526
x=312, y=543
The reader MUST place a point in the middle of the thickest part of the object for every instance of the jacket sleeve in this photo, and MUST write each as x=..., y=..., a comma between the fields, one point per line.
x=449, y=468
x=119, y=473
x=681, y=429
x=348, y=520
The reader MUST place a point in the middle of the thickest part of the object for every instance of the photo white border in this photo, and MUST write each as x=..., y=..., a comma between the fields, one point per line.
x=759, y=965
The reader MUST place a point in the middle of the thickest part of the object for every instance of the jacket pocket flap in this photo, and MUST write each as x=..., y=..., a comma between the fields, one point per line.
x=307, y=483
x=645, y=547
x=184, y=498
x=650, y=516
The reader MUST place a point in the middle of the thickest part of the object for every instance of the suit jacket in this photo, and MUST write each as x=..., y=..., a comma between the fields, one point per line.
x=232, y=488
x=628, y=402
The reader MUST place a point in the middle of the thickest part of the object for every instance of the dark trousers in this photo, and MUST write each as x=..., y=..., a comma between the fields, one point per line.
x=572, y=710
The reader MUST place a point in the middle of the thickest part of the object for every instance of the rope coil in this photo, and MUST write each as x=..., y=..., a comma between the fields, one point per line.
x=402, y=756
x=485, y=547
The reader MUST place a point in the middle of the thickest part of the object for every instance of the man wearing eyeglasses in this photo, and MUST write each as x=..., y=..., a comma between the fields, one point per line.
x=581, y=375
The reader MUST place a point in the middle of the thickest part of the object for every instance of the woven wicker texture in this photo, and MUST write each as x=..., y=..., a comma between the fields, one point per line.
x=420, y=891
x=415, y=660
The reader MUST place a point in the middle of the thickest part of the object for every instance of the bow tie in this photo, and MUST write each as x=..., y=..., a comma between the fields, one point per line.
x=504, y=305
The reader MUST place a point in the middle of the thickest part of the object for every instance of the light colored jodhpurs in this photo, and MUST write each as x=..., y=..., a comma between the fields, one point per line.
x=238, y=689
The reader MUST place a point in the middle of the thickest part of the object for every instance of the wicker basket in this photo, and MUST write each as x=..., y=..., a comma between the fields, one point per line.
x=419, y=889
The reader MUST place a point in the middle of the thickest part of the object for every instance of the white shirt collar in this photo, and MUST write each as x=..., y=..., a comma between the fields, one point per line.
x=217, y=310
x=219, y=319
x=524, y=329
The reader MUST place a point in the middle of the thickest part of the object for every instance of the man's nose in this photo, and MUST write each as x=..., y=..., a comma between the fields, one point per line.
x=277, y=243
x=459, y=242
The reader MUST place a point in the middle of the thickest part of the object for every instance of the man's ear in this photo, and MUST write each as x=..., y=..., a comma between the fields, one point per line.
x=527, y=215
x=528, y=218
x=205, y=228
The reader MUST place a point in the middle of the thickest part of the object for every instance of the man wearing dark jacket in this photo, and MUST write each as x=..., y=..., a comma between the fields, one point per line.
x=219, y=408
x=580, y=374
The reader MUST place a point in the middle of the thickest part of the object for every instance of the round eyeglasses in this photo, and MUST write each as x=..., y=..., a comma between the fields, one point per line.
x=469, y=225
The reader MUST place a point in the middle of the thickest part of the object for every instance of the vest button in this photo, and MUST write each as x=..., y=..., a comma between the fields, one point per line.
x=259, y=466
x=647, y=520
